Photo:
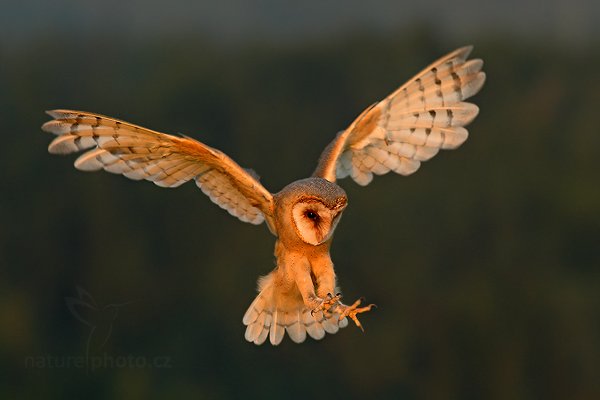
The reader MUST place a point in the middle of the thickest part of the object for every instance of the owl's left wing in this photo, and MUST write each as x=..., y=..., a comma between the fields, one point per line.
x=426, y=114
x=169, y=161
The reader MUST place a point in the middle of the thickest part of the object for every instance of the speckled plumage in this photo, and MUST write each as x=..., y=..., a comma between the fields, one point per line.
x=411, y=125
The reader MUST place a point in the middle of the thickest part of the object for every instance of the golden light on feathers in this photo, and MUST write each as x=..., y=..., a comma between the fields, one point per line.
x=397, y=134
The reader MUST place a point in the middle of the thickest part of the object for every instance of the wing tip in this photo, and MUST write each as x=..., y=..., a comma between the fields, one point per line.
x=89, y=161
x=65, y=113
x=47, y=126
x=481, y=78
x=61, y=146
x=52, y=113
x=474, y=86
x=465, y=51
x=59, y=113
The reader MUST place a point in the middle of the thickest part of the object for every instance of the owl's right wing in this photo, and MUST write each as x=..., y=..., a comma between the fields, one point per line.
x=168, y=161
x=426, y=114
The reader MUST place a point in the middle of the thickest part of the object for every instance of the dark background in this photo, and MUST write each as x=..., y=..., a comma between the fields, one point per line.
x=484, y=264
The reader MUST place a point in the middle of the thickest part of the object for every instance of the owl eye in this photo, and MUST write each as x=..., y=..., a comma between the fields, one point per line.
x=311, y=215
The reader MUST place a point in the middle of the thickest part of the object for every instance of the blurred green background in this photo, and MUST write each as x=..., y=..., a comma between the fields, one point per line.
x=484, y=264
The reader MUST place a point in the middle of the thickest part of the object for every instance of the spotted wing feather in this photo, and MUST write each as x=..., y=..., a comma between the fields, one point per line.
x=168, y=161
x=411, y=125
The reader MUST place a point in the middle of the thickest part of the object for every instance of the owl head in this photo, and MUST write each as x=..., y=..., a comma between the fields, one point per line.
x=315, y=207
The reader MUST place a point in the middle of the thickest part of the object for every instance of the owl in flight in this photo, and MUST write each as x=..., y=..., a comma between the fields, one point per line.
x=411, y=125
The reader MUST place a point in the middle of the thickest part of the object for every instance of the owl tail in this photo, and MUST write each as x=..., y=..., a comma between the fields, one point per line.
x=273, y=313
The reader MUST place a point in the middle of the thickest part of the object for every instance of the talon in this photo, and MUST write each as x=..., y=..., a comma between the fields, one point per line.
x=352, y=310
x=329, y=303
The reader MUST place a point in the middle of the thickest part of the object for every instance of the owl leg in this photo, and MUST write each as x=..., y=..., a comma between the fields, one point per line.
x=302, y=276
x=352, y=310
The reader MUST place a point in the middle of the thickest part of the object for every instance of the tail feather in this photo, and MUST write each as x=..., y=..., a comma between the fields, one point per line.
x=277, y=328
x=254, y=310
x=295, y=328
x=329, y=324
x=313, y=327
x=255, y=329
x=262, y=336
x=272, y=314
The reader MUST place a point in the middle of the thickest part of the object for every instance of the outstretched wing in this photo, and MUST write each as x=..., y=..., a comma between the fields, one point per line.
x=426, y=114
x=168, y=161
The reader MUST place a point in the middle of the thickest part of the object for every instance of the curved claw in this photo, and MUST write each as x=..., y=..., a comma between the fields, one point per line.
x=327, y=304
x=352, y=311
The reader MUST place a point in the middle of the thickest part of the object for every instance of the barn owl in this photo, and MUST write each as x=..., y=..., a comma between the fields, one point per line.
x=299, y=296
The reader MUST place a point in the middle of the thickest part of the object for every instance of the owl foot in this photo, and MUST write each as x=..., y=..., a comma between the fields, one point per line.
x=352, y=310
x=330, y=302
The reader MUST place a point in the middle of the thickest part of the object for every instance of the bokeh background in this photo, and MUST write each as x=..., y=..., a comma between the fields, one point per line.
x=484, y=264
